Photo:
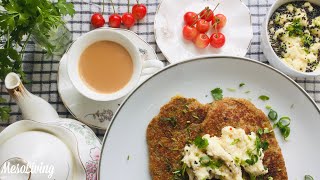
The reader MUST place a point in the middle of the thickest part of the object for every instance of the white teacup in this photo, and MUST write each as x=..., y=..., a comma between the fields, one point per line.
x=86, y=40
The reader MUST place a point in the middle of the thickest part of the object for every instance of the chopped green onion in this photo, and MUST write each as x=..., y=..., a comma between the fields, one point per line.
x=270, y=178
x=308, y=177
x=204, y=160
x=268, y=107
x=247, y=92
x=264, y=98
x=231, y=89
x=241, y=84
x=273, y=115
x=284, y=122
x=235, y=141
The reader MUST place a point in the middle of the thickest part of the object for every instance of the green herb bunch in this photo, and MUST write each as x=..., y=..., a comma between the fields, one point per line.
x=18, y=20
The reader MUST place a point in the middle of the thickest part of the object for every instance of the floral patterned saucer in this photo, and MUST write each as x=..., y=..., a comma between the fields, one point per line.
x=93, y=113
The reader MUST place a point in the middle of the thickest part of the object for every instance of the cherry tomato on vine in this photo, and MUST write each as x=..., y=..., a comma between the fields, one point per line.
x=219, y=21
x=115, y=20
x=203, y=26
x=189, y=32
x=139, y=11
x=202, y=40
x=97, y=20
x=217, y=40
x=128, y=20
x=206, y=14
x=190, y=18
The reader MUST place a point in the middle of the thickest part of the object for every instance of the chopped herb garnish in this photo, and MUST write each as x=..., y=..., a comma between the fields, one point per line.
x=128, y=158
x=171, y=120
x=308, y=177
x=241, y=84
x=307, y=40
x=268, y=107
x=296, y=28
x=231, y=89
x=253, y=159
x=270, y=178
x=180, y=173
x=247, y=92
x=217, y=94
x=292, y=105
x=206, y=161
x=195, y=116
x=264, y=98
x=200, y=142
x=283, y=124
x=260, y=131
x=235, y=141
x=266, y=131
x=273, y=115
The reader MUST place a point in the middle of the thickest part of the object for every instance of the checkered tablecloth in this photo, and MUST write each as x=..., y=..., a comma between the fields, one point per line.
x=42, y=71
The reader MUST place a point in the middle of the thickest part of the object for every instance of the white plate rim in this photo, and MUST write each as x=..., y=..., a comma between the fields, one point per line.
x=168, y=59
x=188, y=61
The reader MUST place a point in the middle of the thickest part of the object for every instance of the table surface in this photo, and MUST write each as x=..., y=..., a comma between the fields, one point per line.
x=42, y=71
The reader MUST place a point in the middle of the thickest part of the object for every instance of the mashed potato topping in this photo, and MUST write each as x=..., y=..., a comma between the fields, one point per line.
x=294, y=32
x=222, y=157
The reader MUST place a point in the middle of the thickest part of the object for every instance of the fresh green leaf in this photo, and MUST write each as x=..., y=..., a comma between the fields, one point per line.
x=201, y=143
x=65, y=8
x=217, y=94
x=264, y=98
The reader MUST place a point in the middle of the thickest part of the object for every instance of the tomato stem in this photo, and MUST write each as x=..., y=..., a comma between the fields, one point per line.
x=114, y=11
x=216, y=7
x=128, y=6
x=137, y=2
x=102, y=7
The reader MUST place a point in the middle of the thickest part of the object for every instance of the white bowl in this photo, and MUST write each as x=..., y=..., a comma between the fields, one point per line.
x=268, y=51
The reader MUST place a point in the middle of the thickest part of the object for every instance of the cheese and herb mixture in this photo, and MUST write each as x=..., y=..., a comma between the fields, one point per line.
x=295, y=35
x=224, y=157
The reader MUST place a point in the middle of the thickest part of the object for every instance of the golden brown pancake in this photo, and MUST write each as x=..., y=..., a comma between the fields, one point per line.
x=183, y=119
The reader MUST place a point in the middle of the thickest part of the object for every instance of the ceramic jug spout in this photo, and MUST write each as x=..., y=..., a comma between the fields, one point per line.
x=32, y=107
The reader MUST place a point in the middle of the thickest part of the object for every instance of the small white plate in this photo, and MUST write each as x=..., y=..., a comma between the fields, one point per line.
x=93, y=113
x=169, y=22
x=126, y=135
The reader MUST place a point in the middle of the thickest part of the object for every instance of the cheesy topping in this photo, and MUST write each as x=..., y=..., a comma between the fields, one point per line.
x=295, y=38
x=224, y=156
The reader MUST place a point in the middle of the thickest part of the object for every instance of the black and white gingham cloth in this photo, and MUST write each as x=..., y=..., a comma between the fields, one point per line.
x=42, y=70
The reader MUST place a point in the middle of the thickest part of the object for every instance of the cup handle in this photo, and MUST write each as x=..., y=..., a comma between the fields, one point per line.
x=150, y=67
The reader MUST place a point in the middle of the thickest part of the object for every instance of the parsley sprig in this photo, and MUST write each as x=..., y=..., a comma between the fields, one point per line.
x=20, y=19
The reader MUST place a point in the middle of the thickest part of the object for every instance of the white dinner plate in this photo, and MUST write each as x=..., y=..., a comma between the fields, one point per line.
x=126, y=136
x=169, y=23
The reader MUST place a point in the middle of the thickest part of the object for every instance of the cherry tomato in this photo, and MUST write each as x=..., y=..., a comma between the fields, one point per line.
x=203, y=26
x=206, y=14
x=97, y=20
x=128, y=20
x=190, y=18
x=139, y=11
x=217, y=40
x=202, y=40
x=189, y=32
x=115, y=20
x=219, y=21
